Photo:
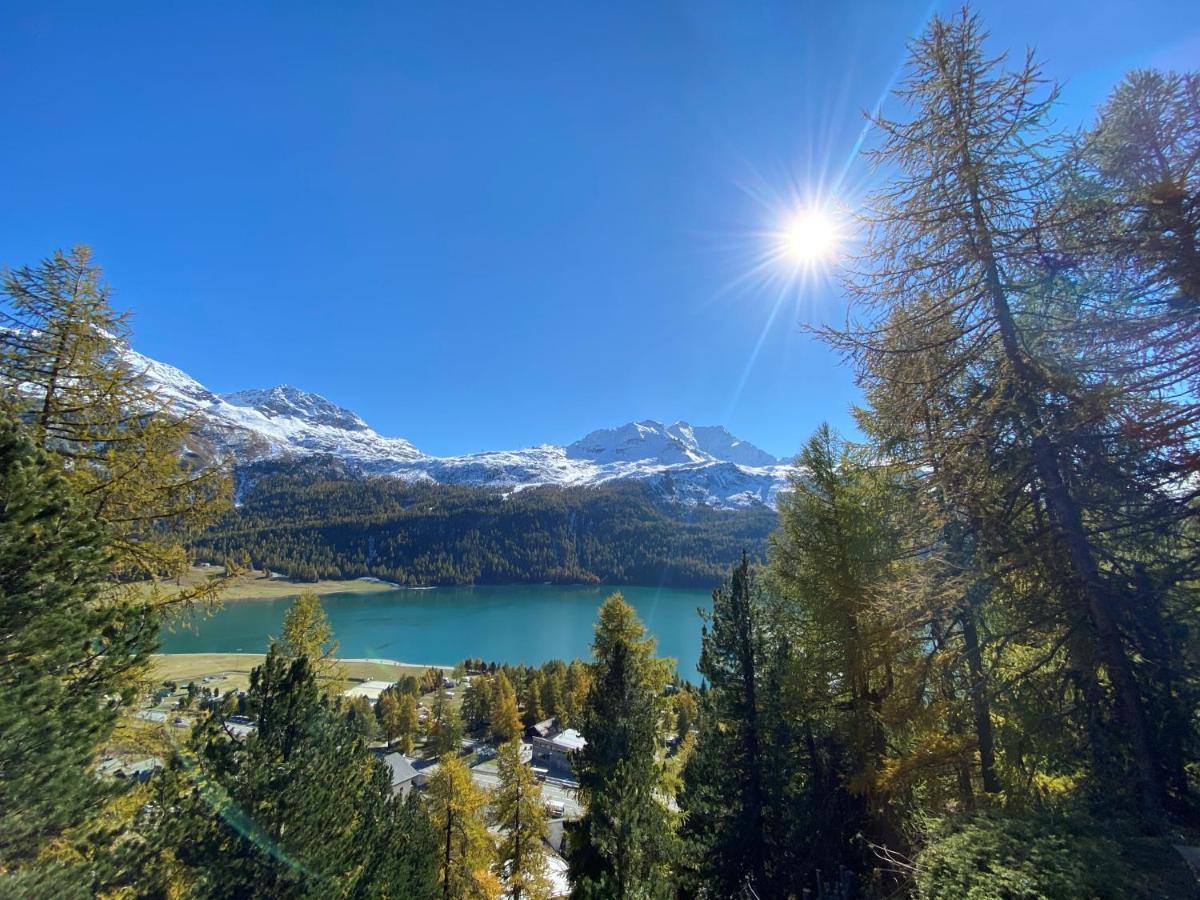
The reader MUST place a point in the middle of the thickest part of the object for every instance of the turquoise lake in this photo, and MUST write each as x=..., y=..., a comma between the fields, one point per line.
x=511, y=623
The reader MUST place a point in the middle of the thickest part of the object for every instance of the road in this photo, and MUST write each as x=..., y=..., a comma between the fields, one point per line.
x=484, y=775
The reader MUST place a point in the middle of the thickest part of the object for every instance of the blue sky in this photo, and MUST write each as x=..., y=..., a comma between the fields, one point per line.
x=483, y=225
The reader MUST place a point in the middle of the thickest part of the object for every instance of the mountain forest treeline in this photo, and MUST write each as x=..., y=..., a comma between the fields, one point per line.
x=315, y=520
x=967, y=667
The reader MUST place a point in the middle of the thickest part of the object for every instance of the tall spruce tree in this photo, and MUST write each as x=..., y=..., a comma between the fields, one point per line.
x=64, y=662
x=623, y=845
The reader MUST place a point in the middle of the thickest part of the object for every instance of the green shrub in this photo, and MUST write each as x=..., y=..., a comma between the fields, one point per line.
x=1045, y=856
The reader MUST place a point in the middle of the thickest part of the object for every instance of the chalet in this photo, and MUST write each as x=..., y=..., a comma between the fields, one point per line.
x=543, y=729
x=404, y=776
x=554, y=751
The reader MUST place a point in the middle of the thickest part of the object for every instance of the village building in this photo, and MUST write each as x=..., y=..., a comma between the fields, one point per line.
x=369, y=689
x=553, y=752
x=404, y=776
x=543, y=729
x=138, y=770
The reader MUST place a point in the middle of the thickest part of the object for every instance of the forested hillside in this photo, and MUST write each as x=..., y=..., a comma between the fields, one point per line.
x=319, y=521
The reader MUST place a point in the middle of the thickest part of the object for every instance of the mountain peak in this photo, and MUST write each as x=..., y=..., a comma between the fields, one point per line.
x=292, y=402
x=716, y=441
x=684, y=463
x=680, y=443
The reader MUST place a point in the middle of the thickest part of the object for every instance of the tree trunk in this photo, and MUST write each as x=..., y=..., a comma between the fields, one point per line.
x=1066, y=515
x=446, y=859
x=754, y=792
x=980, y=704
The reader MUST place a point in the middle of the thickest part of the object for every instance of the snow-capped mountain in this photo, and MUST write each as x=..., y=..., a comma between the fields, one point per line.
x=265, y=424
x=686, y=463
x=679, y=443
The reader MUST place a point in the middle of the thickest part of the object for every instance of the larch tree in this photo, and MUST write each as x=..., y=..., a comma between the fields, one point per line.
x=518, y=811
x=833, y=552
x=686, y=711
x=834, y=670
x=407, y=722
x=1135, y=243
x=387, y=710
x=958, y=248
x=477, y=702
x=1134, y=247
x=553, y=688
x=578, y=681
x=465, y=851
x=306, y=632
x=397, y=713
x=67, y=372
x=505, y=716
x=445, y=726
x=535, y=684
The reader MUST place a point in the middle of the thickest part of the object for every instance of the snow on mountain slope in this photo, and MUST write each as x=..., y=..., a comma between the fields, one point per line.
x=684, y=463
x=679, y=443
x=708, y=481
x=283, y=421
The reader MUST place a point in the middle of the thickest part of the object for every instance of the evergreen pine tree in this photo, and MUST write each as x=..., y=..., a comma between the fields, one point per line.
x=63, y=681
x=298, y=808
x=727, y=829
x=623, y=845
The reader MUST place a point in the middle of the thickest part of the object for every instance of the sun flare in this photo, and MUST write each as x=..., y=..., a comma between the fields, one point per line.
x=809, y=236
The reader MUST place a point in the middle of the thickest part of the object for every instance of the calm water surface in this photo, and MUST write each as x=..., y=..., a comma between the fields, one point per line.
x=511, y=623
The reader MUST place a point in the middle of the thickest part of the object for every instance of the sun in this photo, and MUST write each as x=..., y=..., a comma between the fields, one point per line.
x=808, y=236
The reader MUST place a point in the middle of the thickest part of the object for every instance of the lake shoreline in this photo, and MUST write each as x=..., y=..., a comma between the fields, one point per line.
x=527, y=624
x=279, y=588
x=399, y=664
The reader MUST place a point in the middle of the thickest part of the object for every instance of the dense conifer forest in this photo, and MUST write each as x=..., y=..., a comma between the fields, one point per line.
x=315, y=520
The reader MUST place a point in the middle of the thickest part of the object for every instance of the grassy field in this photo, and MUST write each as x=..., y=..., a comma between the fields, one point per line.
x=254, y=585
x=231, y=671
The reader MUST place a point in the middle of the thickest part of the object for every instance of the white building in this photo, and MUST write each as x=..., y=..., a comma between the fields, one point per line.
x=553, y=751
